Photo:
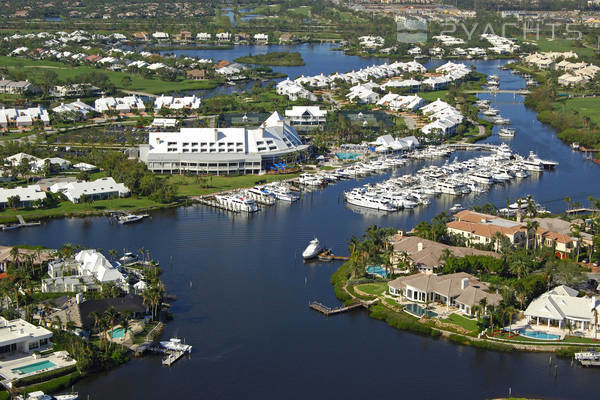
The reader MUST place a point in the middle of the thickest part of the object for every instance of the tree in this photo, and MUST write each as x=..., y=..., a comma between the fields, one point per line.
x=13, y=201
x=126, y=81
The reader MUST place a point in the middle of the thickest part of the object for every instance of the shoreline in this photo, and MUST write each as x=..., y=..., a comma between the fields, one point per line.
x=402, y=321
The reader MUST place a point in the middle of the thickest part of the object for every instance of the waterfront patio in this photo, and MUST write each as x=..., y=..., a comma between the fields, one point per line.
x=552, y=328
x=9, y=367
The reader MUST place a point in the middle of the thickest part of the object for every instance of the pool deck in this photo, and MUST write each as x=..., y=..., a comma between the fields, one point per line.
x=59, y=359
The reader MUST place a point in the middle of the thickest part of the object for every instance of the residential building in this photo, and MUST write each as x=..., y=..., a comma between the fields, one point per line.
x=223, y=36
x=444, y=289
x=203, y=36
x=37, y=258
x=224, y=151
x=102, y=188
x=557, y=234
x=160, y=35
x=26, y=195
x=427, y=255
x=80, y=311
x=479, y=228
x=389, y=144
x=306, y=115
x=164, y=123
x=561, y=307
x=397, y=102
x=177, y=103
x=18, y=336
x=74, y=107
x=17, y=87
x=125, y=104
x=294, y=90
x=196, y=74
x=261, y=37
x=23, y=117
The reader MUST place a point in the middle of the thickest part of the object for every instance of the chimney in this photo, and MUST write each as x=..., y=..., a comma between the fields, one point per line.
x=420, y=246
x=79, y=298
x=593, y=302
x=464, y=282
x=216, y=133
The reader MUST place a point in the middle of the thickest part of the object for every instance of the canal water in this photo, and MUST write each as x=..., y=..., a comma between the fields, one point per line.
x=243, y=294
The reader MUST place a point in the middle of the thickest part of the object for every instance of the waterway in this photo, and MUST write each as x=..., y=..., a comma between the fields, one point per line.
x=243, y=293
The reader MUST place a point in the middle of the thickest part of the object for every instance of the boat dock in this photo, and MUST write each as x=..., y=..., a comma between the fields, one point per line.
x=172, y=357
x=212, y=202
x=327, y=311
x=21, y=224
x=327, y=255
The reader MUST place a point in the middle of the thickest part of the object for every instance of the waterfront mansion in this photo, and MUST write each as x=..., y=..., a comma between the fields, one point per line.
x=460, y=290
x=222, y=151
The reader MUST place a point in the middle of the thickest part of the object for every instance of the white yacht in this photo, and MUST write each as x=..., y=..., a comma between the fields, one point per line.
x=362, y=199
x=449, y=188
x=533, y=165
x=500, y=121
x=312, y=250
x=481, y=177
x=310, y=180
x=506, y=132
x=39, y=395
x=128, y=258
x=504, y=151
x=236, y=202
x=490, y=112
x=284, y=193
x=175, y=344
x=545, y=163
x=129, y=218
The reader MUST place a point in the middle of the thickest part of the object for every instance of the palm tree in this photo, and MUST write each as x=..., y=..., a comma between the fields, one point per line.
x=14, y=254
x=112, y=253
x=491, y=312
x=483, y=304
x=568, y=201
x=96, y=317
x=511, y=312
x=476, y=309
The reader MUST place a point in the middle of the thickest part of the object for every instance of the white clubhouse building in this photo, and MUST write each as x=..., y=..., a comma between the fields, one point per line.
x=222, y=151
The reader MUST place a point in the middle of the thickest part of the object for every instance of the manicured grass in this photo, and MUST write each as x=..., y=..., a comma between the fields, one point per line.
x=303, y=11
x=66, y=208
x=434, y=95
x=585, y=107
x=138, y=83
x=575, y=339
x=463, y=322
x=376, y=289
x=564, y=45
x=199, y=186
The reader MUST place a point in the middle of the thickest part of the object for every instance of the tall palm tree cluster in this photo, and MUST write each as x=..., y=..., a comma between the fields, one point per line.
x=371, y=248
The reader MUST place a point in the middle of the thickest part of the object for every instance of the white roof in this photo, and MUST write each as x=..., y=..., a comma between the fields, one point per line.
x=561, y=303
x=27, y=193
x=298, y=111
x=74, y=190
x=94, y=263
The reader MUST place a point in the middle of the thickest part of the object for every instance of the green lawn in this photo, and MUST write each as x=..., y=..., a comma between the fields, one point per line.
x=199, y=186
x=138, y=83
x=434, y=95
x=564, y=45
x=464, y=322
x=376, y=289
x=585, y=107
x=575, y=339
x=67, y=208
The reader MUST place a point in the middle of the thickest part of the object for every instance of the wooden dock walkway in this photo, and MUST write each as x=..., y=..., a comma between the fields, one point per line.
x=582, y=210
x=327, y=311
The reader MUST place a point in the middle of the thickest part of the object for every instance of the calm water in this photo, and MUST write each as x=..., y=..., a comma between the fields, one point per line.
x=318, y=57
x=243, y=298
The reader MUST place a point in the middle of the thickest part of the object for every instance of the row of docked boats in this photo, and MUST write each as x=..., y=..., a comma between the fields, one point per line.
x=493, y=114
x=456, y=178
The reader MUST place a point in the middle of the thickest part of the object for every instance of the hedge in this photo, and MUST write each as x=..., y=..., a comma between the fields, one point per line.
x=45, y=376
x=399, y=321
x=56, y=384
x=479, y=344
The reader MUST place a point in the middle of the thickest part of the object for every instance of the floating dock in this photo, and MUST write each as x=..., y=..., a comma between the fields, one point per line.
x=172, y=357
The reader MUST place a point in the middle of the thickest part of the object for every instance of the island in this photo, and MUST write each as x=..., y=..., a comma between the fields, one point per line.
x=277, y=58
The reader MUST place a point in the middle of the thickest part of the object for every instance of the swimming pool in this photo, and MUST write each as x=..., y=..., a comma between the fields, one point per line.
x=27, y=369
x=538, y=335
x=376, y=270
x=347, y=156
x=417, y=311
x=117, y=333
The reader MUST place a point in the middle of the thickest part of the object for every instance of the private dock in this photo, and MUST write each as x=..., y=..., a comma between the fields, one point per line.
x=327, y=311
x=586, y=210
x=327, y=255
x=172, y=357
x=21, y=224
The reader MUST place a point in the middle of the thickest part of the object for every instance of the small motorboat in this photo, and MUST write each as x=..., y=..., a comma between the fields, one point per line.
x=456, y=208
x=312, y=250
